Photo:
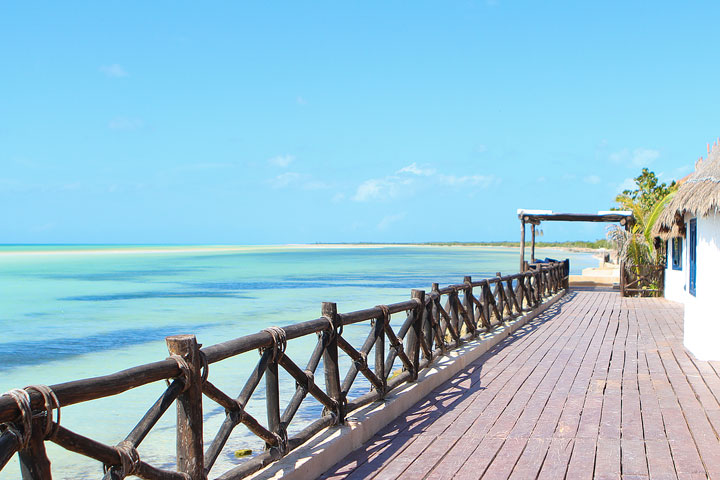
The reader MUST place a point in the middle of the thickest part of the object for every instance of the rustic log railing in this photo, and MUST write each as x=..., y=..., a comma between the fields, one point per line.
x=435, y=323
x=642, y=280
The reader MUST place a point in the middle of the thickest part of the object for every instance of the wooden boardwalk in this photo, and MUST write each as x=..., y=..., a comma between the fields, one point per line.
x=597, y=387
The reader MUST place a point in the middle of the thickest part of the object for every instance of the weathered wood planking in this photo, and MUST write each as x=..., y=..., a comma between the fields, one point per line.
x=599, y=388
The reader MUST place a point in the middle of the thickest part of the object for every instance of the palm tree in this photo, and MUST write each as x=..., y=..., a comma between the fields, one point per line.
x=636, y=246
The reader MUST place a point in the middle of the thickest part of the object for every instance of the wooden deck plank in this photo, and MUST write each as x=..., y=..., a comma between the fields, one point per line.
x=531, y=460
x=514, y=350
x=599, y=388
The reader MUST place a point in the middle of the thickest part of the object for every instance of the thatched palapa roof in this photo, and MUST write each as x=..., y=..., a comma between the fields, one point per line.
x=698, y=194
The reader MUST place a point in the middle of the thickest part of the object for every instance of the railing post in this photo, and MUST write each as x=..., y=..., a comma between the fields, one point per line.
x=34, y=463
x=189, y=408
x=380, y=352
x=437, y=315
x=427, y=325
x=413, y=342
x=622, y=278
x=486, y=301
x=468, y=303
x=501, y=296
x=523, y=263
x=330, y=359
x=455, y=314
x=272, y=399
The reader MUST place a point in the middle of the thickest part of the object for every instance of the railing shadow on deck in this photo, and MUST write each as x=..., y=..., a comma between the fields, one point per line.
x=464, y=385
x=435, y=323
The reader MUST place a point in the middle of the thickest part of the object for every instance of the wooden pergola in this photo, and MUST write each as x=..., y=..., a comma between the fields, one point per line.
x=534, y=217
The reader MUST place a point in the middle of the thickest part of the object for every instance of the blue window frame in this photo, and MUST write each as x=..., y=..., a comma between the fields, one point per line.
x=692, y=253
x=677, y=253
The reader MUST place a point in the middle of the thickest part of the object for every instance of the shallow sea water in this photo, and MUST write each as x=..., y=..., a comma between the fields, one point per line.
x=95, y=310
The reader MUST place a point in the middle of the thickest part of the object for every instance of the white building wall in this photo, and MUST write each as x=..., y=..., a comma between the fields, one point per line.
x=676, y=280
x=702, y=321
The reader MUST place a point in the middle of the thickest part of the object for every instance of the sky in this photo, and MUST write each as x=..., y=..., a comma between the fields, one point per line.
x=301, y=122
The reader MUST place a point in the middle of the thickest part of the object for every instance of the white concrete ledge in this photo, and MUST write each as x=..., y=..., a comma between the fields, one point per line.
x=331, y=445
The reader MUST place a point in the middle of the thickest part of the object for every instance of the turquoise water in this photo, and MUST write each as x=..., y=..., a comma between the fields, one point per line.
x=73, y=312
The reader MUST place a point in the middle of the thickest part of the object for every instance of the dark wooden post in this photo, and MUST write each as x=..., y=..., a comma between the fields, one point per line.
x=380, y=352
x=501, y=296
x=272, y=397
x=454, y=312
x=427, y=325
x=468, y=303
x=622, y=278
x=438, y=317
x=189, y=408
x=539, y=280
x=532, y=247
x=330, y=359
x=34, y=463
x=486, y=301
x=413, y=335
x=522, y=244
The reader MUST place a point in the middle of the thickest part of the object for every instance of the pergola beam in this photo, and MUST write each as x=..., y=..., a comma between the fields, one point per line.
x=534, y=217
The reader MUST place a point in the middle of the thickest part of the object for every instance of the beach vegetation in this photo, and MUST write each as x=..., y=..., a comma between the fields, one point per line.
x=636, y=245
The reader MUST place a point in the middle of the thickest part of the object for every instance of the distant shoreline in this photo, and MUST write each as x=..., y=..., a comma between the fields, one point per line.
x=62, y=250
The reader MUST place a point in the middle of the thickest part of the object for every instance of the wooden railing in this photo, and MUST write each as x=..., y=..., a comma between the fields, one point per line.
x=435, y=323
x=642, y=280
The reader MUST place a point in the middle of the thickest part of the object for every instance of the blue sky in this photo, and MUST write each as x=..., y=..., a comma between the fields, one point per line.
x=286, y=122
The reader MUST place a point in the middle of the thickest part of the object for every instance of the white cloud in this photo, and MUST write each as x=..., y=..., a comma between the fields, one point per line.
x=619, y=157
x=483, y=181
x=639, y=157
x=592, y=179
x=315, y=185
x=297, y=180
x=379, y=188
x=412, y=175
x=124, y=123
x=114, y=70
x=388, y=220
x=369, y=190
x=415, y=170
x=627, y=184
x=284, y=179
x=643, y=157
x=338, y=197
x=281, y=160
x=680, y=172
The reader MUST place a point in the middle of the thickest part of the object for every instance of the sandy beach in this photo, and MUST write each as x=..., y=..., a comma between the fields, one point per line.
x=53, y=250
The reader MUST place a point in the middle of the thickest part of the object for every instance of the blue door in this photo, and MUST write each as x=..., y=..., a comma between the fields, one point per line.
x=692, y=252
